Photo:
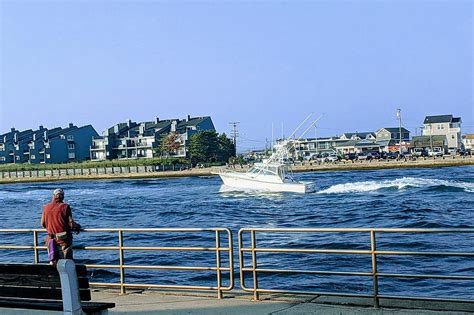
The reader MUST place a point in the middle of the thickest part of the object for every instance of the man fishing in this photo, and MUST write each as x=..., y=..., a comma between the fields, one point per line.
x=58, y=221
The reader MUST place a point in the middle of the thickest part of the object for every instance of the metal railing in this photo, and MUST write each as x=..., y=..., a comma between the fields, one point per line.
x=249, y=236
x=217, y=251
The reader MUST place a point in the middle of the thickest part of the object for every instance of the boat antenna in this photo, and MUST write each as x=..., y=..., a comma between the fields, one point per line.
x=310, y=126
x=300, y=125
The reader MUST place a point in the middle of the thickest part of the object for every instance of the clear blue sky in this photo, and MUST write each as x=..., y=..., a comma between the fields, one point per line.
x=102, y=62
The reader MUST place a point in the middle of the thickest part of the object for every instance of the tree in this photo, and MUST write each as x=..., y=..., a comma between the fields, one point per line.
x=209, y=146
x=226, y=148
x=171, y=144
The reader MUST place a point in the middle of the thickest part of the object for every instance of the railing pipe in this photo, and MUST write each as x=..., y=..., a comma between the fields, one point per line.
x=121, y=260
x=254, y=266
x=35, y=245
x=374, y=269
x=218, y=265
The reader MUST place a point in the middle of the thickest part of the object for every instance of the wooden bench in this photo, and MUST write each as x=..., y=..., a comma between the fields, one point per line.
x=64, y=287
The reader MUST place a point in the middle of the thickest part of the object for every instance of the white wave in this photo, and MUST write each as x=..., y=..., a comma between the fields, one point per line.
x=399, y=183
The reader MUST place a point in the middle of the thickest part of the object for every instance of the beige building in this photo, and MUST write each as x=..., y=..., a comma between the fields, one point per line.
x=468, y=141
x=444, y=125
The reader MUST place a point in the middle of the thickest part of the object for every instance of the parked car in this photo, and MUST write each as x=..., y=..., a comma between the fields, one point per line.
x=375, y=155
x=452, y=151
x=391, y=155
x=350, y=156
x=420, y=152
x=363, y=156
x=462, y=152
x=436, y=151
x=327, y=157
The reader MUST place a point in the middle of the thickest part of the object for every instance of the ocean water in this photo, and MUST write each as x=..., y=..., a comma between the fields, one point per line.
x=398, y=198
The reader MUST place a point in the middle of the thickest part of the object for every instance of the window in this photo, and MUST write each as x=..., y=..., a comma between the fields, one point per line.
x=48, y=156
x=70, y=146
x=2, y=158
x=17, y=157
x=452, y=136
x=2, y=147
x=72, y=155
x=33, y=157
x=70, y=138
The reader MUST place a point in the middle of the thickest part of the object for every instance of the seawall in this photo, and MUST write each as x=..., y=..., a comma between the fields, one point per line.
x=298, y=167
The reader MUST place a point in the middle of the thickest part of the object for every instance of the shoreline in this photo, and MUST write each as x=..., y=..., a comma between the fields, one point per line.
x=306, y=167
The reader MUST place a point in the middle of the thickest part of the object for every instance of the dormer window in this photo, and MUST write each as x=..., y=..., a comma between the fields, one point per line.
x=70, y=138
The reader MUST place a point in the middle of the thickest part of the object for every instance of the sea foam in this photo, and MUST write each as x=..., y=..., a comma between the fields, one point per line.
x=399, y=183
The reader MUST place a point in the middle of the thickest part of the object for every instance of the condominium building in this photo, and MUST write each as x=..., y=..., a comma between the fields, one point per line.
x=132, y=140
x=57, y=145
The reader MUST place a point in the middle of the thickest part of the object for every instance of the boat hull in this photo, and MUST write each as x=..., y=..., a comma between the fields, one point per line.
x=243, y=182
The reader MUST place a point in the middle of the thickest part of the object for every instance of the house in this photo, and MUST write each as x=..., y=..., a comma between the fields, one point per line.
x=131, y=140
x=468, y=142
x=44, y=145
x=389, y=139
x=444, y=125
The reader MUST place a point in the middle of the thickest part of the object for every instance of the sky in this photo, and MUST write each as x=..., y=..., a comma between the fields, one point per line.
x=260, y=63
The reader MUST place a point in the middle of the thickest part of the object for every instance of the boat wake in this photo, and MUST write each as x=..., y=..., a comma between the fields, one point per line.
x=399, y=183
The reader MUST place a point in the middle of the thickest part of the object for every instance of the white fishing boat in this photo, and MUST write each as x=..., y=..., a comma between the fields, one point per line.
x=273, y=174
x=265, y=176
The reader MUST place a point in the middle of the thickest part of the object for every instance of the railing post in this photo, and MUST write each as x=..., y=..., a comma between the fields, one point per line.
x=35, y=245
x=254, y=266
x=375, y=279
x=218, y=265
x=121, y=260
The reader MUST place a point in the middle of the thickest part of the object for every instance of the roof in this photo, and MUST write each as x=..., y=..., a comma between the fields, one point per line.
x=348, y=143
x=384, y=143
x=395, y=129
x=441, y=119
x=359, y=134
x=468, y=136
x=193, y=121
x=367, y=143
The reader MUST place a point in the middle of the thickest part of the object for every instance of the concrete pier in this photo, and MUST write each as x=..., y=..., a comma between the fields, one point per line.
x=158, y=302
x=143, y=302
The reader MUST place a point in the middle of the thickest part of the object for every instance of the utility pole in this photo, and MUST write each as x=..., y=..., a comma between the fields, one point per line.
x=234, y=134
x=399, y=116
x=431, y=137
x=316, y=138
x=273, y=139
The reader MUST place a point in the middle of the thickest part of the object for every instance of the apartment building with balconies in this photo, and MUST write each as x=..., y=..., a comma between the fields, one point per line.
x=57, y=145
x=132, y=140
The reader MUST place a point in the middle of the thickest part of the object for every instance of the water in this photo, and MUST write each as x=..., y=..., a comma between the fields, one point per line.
x=405, y=198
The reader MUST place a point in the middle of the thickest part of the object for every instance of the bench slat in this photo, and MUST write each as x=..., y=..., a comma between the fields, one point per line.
x=36, y=280
x=51, y=305
x=39, y=293
x=45, y=269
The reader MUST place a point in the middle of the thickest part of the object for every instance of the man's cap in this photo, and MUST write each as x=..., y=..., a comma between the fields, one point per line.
x=58, y=191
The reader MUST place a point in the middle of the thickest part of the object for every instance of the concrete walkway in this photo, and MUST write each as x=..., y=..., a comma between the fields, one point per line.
x=178, y=303
x=158, y=302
